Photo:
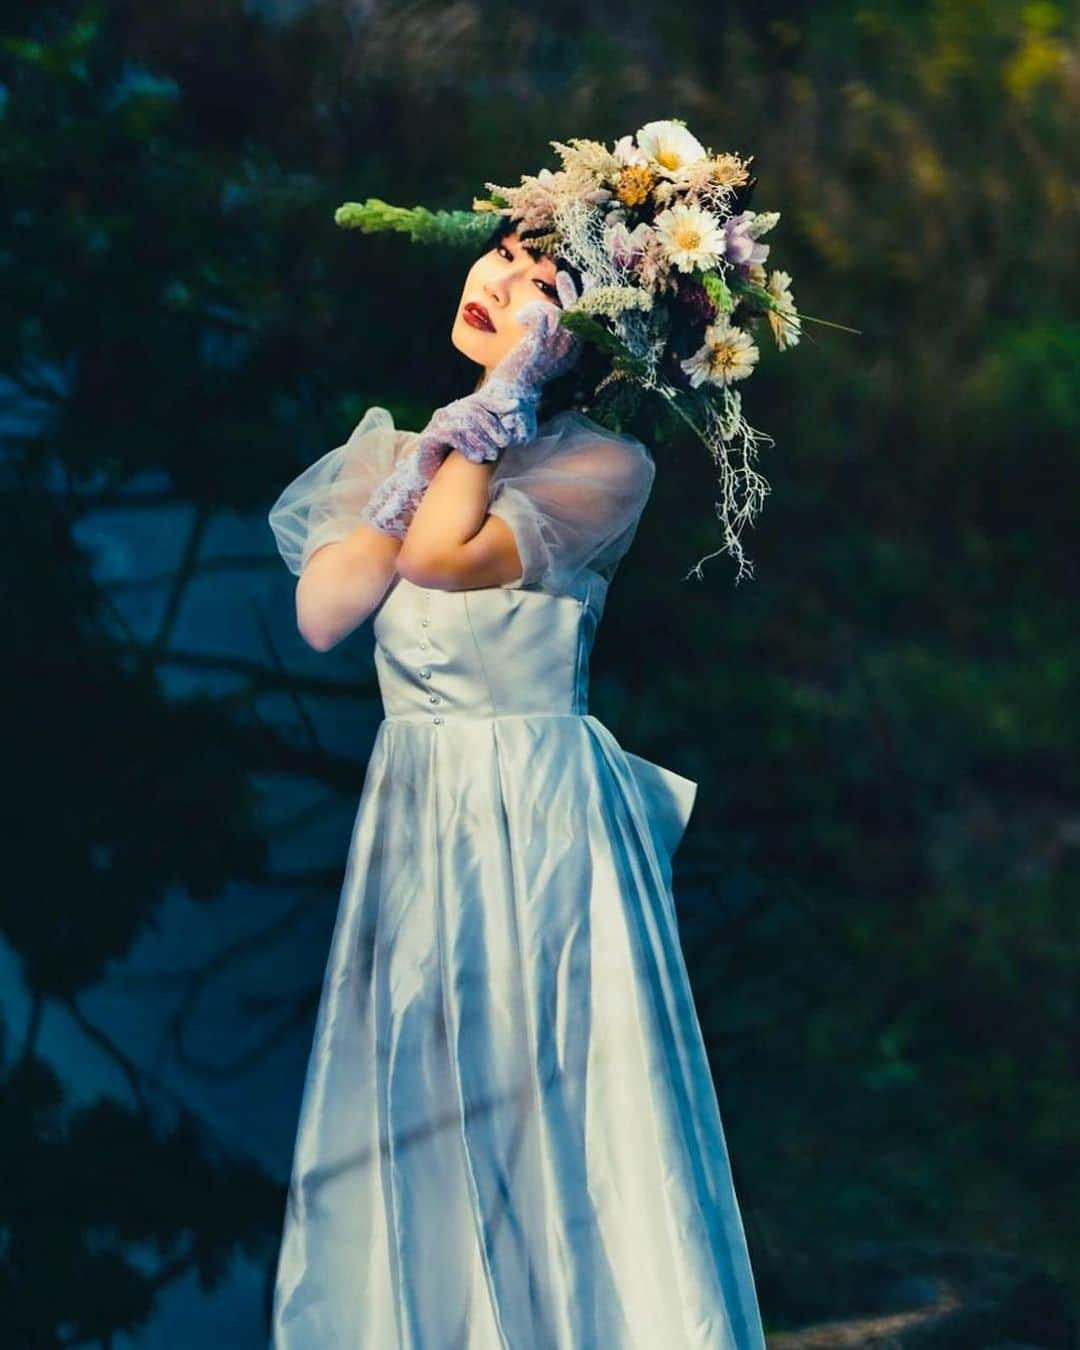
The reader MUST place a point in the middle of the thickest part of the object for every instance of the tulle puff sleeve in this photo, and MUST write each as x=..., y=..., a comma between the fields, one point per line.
x=326, y=502
x=573, y=498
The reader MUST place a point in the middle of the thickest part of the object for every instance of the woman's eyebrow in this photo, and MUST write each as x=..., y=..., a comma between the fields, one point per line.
x=535, y=254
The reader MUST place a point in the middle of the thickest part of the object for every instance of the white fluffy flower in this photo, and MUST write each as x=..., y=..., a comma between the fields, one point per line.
x=691, y=236
x=761, y=222
x=728, y=354
x=612, y=300
x=670, y=146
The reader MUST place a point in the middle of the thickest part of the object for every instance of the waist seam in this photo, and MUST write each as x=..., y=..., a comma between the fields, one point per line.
x=476, y=717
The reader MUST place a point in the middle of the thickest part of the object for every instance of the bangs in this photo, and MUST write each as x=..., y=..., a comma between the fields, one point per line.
x=508, y=225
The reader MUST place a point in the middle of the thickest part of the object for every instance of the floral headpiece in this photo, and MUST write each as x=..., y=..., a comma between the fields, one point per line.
x=673, y=282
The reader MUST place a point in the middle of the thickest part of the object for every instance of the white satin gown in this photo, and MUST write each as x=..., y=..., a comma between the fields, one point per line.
x=509, y=1137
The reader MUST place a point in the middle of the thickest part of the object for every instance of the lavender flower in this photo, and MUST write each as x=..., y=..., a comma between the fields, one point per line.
x=741, y=246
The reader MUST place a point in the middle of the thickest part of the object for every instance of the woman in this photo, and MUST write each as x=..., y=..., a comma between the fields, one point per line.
x=509, y=1135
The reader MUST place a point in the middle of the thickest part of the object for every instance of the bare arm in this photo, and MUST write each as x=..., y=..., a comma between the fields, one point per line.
x=342, y=584
x=452, y=543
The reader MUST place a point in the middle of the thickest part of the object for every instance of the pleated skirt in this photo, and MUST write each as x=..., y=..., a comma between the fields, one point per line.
x=509, y=1136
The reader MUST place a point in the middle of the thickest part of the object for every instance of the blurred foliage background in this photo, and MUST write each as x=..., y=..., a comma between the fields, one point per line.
x=878, y=890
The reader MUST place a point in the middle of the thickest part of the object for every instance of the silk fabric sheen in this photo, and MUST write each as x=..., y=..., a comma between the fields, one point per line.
x=509, y=1137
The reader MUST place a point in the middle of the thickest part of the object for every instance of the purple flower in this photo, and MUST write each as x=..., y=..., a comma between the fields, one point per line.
x=626, y=248
x=694, y=297
x=740, y=247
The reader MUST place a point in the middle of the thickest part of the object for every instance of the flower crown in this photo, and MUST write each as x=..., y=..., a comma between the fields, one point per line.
x=673, y=283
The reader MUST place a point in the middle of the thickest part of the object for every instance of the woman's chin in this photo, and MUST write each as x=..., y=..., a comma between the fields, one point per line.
x=471, y=342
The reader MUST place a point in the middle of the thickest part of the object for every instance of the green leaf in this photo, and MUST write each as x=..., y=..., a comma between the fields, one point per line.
x=716, y=288
x=593, y=331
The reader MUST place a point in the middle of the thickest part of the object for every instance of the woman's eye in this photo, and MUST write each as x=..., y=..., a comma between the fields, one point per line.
x=504, y=252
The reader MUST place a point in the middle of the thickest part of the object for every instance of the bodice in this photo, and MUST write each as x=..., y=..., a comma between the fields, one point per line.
x=485, y=652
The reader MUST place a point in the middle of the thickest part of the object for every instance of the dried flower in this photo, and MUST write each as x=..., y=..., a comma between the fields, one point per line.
x=634, y=183
x=691, y=236
x=694, y=298
x=613, y=300
x=670, y=146
x=728, y=354
x=741, y=246
x=784, y=321
x=683, y=267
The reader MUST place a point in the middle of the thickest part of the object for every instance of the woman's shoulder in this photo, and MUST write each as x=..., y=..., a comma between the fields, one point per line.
x=572, y=436
x=571, y=423
x=378, y=424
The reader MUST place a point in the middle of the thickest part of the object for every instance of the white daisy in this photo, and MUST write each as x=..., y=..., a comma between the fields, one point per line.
x=670, y=146
x=728, y=354
x=691, y=236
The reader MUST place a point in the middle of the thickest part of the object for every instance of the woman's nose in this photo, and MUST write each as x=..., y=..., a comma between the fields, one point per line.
x=501, y=287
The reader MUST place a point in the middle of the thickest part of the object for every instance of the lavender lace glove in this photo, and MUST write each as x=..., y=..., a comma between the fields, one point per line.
x=393, y=504
x=502, y=411
x=481, y=425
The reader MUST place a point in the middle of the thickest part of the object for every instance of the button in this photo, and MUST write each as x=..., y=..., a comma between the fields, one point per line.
x=425, y=674
x=433, y=698
x=424, y=623
x=424, y=646
x=438, y=720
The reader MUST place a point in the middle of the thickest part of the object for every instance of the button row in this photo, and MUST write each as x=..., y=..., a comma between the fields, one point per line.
x=425, y=673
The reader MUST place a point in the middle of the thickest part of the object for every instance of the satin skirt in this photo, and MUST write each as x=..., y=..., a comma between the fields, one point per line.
x=509, y=1137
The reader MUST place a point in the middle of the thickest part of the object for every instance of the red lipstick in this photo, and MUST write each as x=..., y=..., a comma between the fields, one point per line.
x=477, y=317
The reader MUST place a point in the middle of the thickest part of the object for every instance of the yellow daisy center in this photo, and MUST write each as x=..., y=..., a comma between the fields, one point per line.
x=723, y=357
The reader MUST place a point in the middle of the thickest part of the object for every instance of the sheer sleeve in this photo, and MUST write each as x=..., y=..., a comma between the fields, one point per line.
x=326, y=502
x=573, y=500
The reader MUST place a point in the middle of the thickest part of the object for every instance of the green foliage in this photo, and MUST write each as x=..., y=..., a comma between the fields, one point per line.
x=877, y=890
x=718, y=291
x=463, y=228
x=591, y=330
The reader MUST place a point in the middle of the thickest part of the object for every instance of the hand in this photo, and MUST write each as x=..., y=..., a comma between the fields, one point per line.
x=502, y=411
x=393, y=504
x=547, y=349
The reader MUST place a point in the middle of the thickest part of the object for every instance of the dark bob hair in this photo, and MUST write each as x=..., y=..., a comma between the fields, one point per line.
x=572, y=390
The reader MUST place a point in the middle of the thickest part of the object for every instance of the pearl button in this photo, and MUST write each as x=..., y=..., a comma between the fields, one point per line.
x=424, y=646
x=433, y=698
x=425, y=674
x=424, y=623
x=438, y=719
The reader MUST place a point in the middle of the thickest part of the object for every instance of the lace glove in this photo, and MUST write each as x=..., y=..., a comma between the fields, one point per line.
x=481, y=425
x=393, y=504
x=502, y=411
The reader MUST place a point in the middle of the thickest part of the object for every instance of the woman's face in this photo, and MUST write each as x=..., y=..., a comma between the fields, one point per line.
x=500, y=283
